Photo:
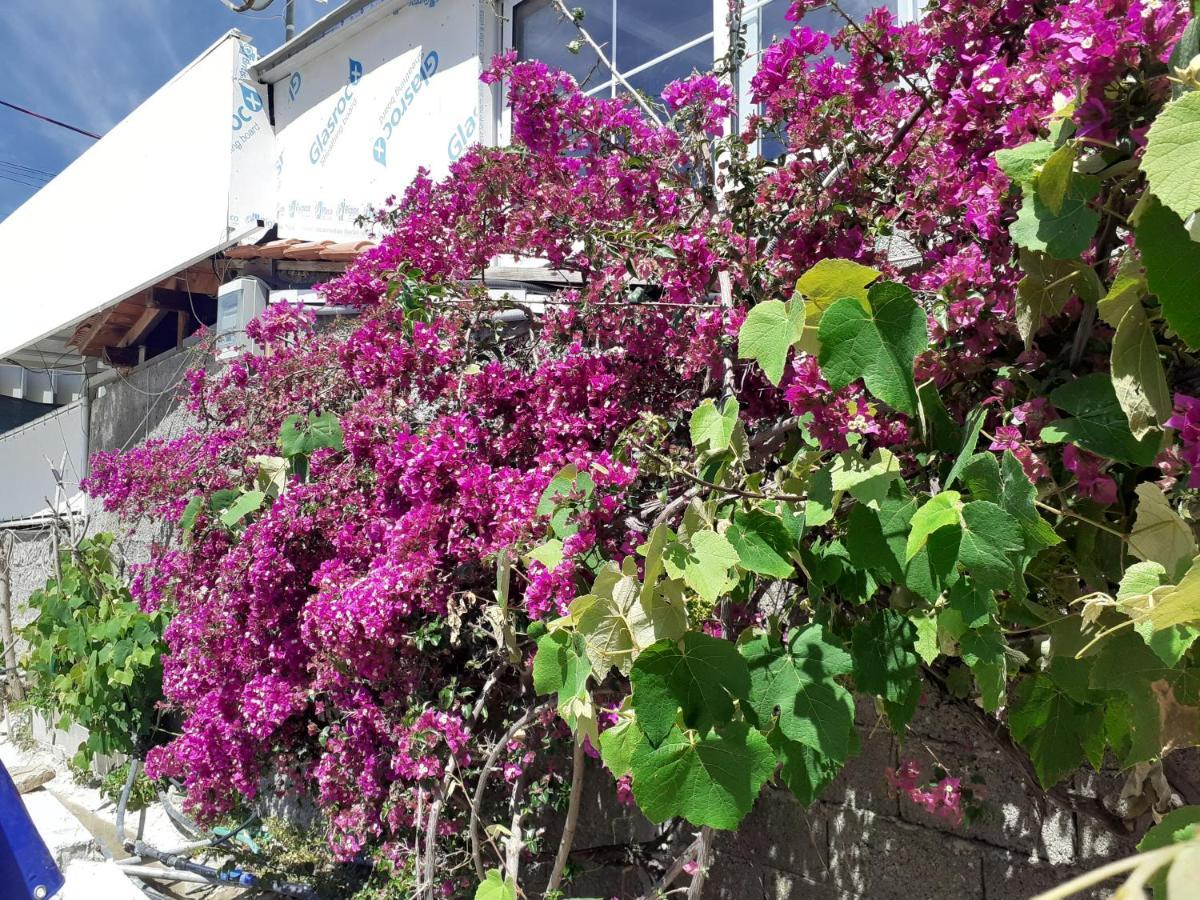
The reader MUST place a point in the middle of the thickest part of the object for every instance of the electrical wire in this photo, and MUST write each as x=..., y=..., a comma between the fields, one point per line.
x=13, y=164
x=52, y=121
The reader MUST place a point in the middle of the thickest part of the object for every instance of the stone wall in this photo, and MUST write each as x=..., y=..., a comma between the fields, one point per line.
x=859, y=840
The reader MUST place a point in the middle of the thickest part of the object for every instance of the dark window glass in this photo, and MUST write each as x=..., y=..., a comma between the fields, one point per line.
x=651, y=81
x=646, y=29
x=539, y=32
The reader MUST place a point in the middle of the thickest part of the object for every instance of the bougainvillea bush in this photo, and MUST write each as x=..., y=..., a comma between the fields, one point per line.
x=904, y=411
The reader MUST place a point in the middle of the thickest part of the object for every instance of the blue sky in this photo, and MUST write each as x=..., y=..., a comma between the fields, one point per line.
x=89, y=62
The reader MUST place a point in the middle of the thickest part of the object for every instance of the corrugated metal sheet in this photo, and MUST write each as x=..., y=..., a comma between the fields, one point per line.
x=27, y=484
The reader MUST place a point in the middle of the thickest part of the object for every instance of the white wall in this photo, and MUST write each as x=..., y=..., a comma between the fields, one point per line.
x=359, y=111
x=145, y=201
x=26, y=454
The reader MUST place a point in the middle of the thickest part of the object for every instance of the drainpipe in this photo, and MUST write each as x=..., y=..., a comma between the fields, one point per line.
x=289, y=21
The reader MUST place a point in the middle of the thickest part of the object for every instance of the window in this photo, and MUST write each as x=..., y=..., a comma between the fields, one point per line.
x=651, y=42
x=654, y=42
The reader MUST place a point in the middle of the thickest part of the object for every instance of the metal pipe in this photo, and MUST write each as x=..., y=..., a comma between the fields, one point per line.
x=289, y=21
x=156, y=874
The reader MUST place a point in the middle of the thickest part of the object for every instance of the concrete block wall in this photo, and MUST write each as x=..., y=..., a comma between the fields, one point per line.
x=860, y=841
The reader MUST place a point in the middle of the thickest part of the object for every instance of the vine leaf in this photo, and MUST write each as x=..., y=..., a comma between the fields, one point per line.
x=805, y=771
x=1055, y=730
x=767, y=334
x=712, y=428
x=615, y=622
x=496, y=887
x=710, y=779
x=885, y=662
x=762, y=542
x=1159, y=533
x=699, y=676
x=1021, y=163
x=877, y=344
x=939, y=511
x=796, y=680
x=983, y=652
x=1171, y=259
x=989, y=535
x=304, y=435
x=1053, y=180
x=705, y=568
x=1043, y=292
x=1064, y=234
x=1098, y=424
x=1177, y=825
x=867, y=480
x=1137, y=370
x=250, y=501
x=1172, y=158
x=618, y=745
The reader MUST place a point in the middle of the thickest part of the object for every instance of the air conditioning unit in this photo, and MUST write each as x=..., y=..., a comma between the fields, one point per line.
x=238, y=302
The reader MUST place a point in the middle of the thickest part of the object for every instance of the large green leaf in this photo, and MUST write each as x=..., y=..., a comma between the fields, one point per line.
x=1064, y=234
x=886, y=662
x=766, y=336
x=304, y=435
x=983, y=652
x=1021, y=163
x=1044, y=291
x=496, y=887
x=867, y=480
x=877, y=344
x=1160, y=534
x=712, y=428
x=939, y=511
x=1172, y=260
x=989, y=536
x=561, y=666
x=1137, y=370
x=1172, y=158
x=616, y=623
x=1098, y=424
x=699, y=677
x=1054, y=729
x=711, y=779
x=796, y=681
x=763, y=543
x=705, y=566
x=830, y=280
x=250, y=501
x=618, y=744
x=805, y=771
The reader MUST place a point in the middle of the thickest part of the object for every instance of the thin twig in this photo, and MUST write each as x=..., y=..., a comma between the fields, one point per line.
x=604, y=60
x=573, y=805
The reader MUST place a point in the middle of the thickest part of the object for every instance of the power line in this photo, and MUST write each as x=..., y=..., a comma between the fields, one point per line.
x=30, y=112
x=17, y=180
x=13, y=164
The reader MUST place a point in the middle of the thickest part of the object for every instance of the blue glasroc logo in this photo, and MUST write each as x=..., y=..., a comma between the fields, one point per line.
x=402, y=101
x=356, y=71
x=463, y=137
x=251, y=103
x=294, y=86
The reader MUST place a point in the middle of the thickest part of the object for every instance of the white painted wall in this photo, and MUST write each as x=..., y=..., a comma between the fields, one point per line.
x=158, y=192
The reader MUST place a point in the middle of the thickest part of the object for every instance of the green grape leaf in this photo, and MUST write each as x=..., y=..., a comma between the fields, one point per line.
x=974, y=426
x=699, y=676
x=712, y=428
x=1054, y=729
x=827, y=281
x=763, y=543
x=983, y=652
x=940, y=511
x=614, y=622
x=886, y=662
x=1017, y=496
x=549, y=554
x=1053, y=180
x=496, y=887
x=877, y=344
x=989, y=535
x=796, y=680
x=867, y=480
x=705, y=568
x=804, y=770
x=188, y=520
x=561, y=665
x=1172, y=260
x=973, y=605
x=1098, y=424
x=1044, y=291
x=1160, y=534
x=1172, y=158
x=1021, y=163
x=1137, y=370
x=766, y=336
x=710, y=779
x=304, y=435
x=931, y=571
x=1065, y=234
x=244, y=505
x=618, y=745
x=1176, y=826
